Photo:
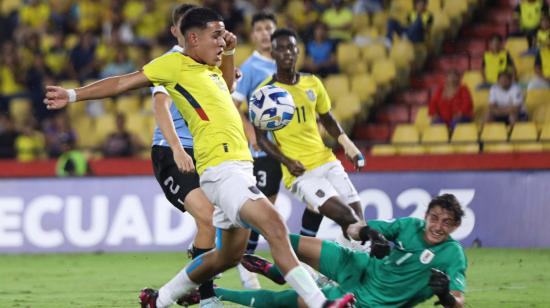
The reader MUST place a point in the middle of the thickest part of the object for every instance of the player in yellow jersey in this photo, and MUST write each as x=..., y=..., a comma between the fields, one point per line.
x=311, y=171
x=223, y=159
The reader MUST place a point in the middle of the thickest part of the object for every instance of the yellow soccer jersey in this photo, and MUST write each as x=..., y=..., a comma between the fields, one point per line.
x=201, y=95
x=300, y=139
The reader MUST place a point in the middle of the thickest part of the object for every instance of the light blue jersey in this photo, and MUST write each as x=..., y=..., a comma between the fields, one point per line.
x=179, y=123
x=255, y=69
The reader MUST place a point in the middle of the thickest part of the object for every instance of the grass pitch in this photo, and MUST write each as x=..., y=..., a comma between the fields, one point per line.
x=495, y=278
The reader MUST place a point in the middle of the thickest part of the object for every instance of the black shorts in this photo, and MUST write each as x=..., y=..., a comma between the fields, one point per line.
x=175, y=184
x=268, y=175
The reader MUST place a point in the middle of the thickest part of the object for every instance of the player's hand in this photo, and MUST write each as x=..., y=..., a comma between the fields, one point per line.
x=184, y=161
x=238, y=73
x=56, y=97
x=295, y=167
x=230, y=40
x=439, y=283
x=380, y=246
x=358, y=162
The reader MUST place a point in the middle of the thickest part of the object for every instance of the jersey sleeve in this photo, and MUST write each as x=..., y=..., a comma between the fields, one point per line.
x=323, y=104
x=162, y=70
x=457, y=271
x=244, y=85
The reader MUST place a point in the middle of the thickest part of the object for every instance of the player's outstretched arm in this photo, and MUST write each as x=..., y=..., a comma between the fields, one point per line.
x=58, y=97
x=440, y=284
x=295, y=167
x=163, y=117
x=335, y=130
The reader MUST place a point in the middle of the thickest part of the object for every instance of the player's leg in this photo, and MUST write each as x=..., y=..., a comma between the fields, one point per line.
x=260, y=298
x=311, y=222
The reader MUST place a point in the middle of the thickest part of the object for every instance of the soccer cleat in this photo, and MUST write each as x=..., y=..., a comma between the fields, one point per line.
x=212, y=302
x=148, y=298
x=346, y=301
x=192, y=298
x=261, y=266
x=249, y=280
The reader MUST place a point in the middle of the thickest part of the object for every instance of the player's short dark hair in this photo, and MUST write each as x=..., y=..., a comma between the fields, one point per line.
x=179, y=11
x=283, y=32
x=261, y=16
x=450, y=203
x=198, y=17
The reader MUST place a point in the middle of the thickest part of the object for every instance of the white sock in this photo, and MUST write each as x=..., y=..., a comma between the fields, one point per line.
x=174, y=289
x=305, y=286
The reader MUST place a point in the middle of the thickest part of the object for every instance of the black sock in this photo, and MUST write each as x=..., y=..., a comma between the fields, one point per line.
x=206, y=289
x=310, y=223
x=252, y=242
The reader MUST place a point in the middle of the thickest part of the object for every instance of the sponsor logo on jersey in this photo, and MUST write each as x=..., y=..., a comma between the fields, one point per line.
x=310, y=94
x=426, y=256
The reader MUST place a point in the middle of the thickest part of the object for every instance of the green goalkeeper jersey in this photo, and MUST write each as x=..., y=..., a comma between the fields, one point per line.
x=401, y=279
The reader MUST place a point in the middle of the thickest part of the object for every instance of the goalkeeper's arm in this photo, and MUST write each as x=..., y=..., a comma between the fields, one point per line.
x=439, y=282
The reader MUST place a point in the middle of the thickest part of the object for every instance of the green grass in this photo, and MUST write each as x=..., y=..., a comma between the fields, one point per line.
x=496, y=278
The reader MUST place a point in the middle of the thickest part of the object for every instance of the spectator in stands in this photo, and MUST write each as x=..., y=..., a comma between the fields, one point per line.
x=528, y=14
x=542, y=69
x=151, y=22
x=35, y=79
x=72, y=163
x=506, y=101
x=321, y=53
x=339, y=20
x=30, y=144
x=56, y=56
x=58, y=133
x=8, y=134
x=35, y=14
x=543, y=34
x=233, y=18
x=121, y=65
x=451, y=102
x=419, y=24
x=495, y=61
x=302, y=16
x=121, y=143
x=11, y=80
x=82, y=58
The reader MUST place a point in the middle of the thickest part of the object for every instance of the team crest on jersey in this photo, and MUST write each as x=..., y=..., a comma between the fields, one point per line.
x=426, y=256
x=310, y=94
x=218, y=81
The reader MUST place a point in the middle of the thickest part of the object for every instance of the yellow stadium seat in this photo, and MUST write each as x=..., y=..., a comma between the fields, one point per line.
x=104, y=125
x=516, y=45
x=147, y=104
x=455, y=8
x=472, y=79
x=69, y=84
x=411, y=150
x=536, y=98
x=20, y=109
x=379, y=21
x=541, y=115
x=464, y=133
x=360, y=22
x=525, y=67
x=301, y=55
x=422, y=119
x=364, y=86
x=77, y=110
x=528, y=147
x=374, y=52
x=402, y=53
x=469, y=148
x=384, y=71
x=441, y=22
x=434, y=5
x=440, y=149
x=138, y=124
x=347, y=54
x=337, y=85
x=437, y=133
x=481, y=103
x=243, y=51
x=524, y=131
x=347, y=107
x=128, y=104
x=405, y=133
x=494, y=132
x=383, y=150
x=359, y=67
x=545, y=137
x=498, y=148
x=86, y=133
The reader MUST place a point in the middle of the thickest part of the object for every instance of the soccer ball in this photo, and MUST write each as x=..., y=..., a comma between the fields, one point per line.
x=271, y=108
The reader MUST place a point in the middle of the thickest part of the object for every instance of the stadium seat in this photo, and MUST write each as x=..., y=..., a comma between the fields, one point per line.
x=379, y=21
x=128, y=104
x=405, y=134
x=347, y=106
x=500, y=147
x=472, y=79
x=524, y=131
x=138, y=124
x=469, y=148
x=147, y=105
x=85, y=130
x=374, y=52
x=440, y=149
x=384, y=71
x=441, y=23
x=541, y=115
x=411, y=150
x=104, y=125
x=536, y=98
x=481, y=103
x=494, y=132
x=301, y=55
x=337, y=85
x=359, y=67
x=525, y=67
x=243, y=51
x=347, y=54
x=528, y=147
x=421, y=118
x=20, y=109
x=434, y=6
x=516, y=45
x=436, y=133
x=364, y=86
x=465, y=132
x=383, y=150
x=402, y=53
x=545, y=137
x=360, y=22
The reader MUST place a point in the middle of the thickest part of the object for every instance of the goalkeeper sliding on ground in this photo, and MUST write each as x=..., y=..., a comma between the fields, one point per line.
x=424, y=261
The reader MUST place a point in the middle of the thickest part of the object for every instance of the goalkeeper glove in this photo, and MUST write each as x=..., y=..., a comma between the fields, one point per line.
x=380, y=246
x=439, y=282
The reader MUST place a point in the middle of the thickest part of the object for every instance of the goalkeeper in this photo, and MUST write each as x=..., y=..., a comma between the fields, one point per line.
x=424, y=261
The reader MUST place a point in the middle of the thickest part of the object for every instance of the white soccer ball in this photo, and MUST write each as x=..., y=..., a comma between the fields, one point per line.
x=271, y=108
